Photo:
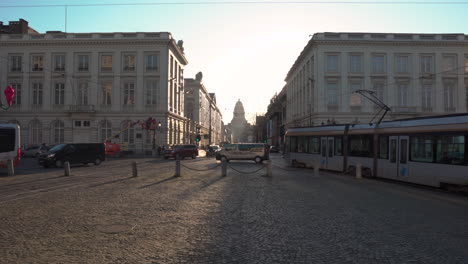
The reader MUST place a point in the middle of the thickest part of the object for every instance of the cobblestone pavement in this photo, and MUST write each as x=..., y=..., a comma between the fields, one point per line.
x=102, y=215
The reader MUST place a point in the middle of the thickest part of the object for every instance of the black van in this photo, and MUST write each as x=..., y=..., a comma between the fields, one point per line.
x=75, y=153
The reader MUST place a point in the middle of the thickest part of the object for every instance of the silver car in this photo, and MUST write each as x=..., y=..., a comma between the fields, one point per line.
x=34, y=151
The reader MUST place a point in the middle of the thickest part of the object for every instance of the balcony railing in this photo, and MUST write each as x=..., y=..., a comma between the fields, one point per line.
x=81, y=109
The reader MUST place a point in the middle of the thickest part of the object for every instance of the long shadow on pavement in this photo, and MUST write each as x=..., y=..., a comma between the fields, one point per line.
x=110, y=182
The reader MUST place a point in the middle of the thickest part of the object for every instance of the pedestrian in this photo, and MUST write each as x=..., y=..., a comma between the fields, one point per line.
x=159, y=150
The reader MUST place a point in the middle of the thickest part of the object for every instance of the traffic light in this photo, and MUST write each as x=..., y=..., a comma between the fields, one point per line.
x=198, y=138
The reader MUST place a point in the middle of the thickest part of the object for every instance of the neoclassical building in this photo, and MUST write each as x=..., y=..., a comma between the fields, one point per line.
x=413, y=74
x=202, y=111
x=88, y=87
x=239, y=124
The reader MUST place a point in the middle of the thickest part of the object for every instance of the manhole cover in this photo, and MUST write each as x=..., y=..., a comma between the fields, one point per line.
x=114, y=229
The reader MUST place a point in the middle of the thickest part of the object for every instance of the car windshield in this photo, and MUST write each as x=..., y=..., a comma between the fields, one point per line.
x=57, y=148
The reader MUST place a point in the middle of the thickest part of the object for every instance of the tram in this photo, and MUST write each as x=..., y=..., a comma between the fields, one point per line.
x=428, y=150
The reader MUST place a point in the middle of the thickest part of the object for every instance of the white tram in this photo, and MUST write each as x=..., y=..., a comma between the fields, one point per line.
x=430, y=150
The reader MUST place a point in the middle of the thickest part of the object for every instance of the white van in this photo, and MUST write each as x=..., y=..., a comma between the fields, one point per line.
x=244, y=151
x=9, y=144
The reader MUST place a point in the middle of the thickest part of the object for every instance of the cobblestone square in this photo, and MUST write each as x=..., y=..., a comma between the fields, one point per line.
x=101, y=214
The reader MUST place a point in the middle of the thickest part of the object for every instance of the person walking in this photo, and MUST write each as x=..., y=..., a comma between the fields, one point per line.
x=159, y=150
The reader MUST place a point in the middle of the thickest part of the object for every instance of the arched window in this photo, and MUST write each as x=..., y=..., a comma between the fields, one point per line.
x=128, y=135
x=105, y=130
x=35, y=132
x=58, y=132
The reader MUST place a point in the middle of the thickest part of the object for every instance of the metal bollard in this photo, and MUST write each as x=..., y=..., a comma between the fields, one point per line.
x=11, y=168
x=269, y=170
x=177, y=169
x=317, y=169
x=66, y=167
x=134, y=169
x=223, y=169
x=359, y=171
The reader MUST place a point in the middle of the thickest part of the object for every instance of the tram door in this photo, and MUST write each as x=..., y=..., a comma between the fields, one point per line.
x=327, y=151
x=399, y=147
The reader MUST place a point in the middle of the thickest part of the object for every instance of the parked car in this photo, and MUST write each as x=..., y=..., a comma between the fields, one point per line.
x=74, y=153
x=257, y=152
x=34, y=151
x=274, y=149
x=212, y=150
x=181, y=151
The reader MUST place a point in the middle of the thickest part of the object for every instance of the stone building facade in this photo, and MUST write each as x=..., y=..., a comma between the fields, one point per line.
x=204, y=116
x=88, y=87
x=413, y=74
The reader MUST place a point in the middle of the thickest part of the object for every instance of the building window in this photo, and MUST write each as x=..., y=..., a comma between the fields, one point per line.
x=77, y=123
x=35, y=132
x=427, y=64
x=422, y=149
x=82, y=93
x=37, y=63
x=129, y=63
x=59, y=62
x=106, y=92
x=15, y=63
x=86, y=123
x=105, y=130
x=378, y=63
x=449, y=96
x=37, y=92
x=355, y=99
x=18, y=93
x=59, y=93
x=129, y=93
x=449, y=64
x=332, y=93
x=332, y=63
x=427, y=96
x=128, y=135
x=106, y=62
x=466, y=88
x=152, y=62
x=58, y=132
x=83, y=63
x=379, y=90
x=402, y=64
x=151, y=92
x=355, y=63
x=402, y=93
x=451, y=150
x=466, y=65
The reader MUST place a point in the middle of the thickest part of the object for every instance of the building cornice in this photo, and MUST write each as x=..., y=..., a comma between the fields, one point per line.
x=82, y=42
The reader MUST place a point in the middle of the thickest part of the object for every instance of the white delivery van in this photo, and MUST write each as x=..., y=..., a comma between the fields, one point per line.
x=257, y=152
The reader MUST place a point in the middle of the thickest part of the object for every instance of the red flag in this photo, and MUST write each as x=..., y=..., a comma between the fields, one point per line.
x=9, y=95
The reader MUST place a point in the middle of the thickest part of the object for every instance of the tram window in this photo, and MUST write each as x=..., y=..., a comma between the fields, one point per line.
x=314, y=145
x=451, y=150
x=330, y=148
x=360, y=146
x=338, y=146
x=422, y=149
x=383, y=147
x=301, y=145
x=324, y=148
x=393, y=150
x=403, y=151
x=293, y=145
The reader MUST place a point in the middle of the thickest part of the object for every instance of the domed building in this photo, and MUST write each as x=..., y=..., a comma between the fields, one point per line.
x=239, y=123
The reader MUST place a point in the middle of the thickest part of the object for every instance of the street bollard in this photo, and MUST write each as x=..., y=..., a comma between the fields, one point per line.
x=134, y=169
x=269, y=170
x=11, y=168
x=177, y=169
x=359, y=171
x=223, y=169
x=317, y=169
x=66, y=167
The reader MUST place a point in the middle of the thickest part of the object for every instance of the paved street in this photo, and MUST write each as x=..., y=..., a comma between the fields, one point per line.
x=102, y=215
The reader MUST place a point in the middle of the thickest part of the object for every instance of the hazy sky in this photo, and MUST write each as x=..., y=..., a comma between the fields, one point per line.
x=244, y=50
